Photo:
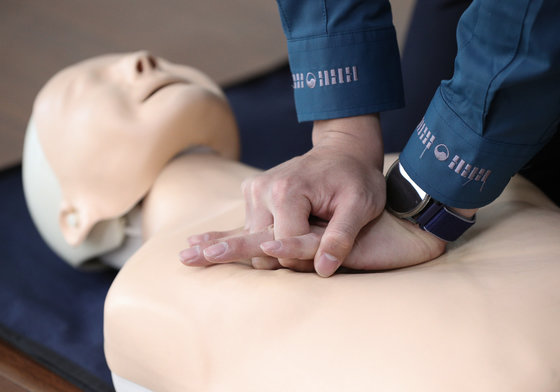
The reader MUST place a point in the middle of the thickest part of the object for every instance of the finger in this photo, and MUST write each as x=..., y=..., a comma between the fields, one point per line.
x=212, y=235
x=257, y=213
x=237, y=248
x=193, y=257
x=291, y=219
x=265, y=263
x=301, y=250
x=338, y=239
x=302, y=247
x=303, y=266
x=257, y=217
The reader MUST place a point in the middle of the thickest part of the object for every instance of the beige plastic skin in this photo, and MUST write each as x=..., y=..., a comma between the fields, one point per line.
x=482, y=317
x=108, y=126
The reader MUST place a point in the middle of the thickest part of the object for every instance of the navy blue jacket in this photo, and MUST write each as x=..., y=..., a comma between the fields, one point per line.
x=497, y=111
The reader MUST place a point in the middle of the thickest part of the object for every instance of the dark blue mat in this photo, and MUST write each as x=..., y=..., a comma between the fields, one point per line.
x=55, y=313
x=47, y=309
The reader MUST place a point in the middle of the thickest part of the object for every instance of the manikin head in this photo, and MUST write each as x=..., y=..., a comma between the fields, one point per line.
x=100, y=133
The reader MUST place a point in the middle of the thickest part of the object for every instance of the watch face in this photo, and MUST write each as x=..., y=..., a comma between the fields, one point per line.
x=404, y=198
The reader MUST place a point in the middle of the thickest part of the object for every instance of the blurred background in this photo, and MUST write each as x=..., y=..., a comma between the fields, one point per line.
x=231, y=40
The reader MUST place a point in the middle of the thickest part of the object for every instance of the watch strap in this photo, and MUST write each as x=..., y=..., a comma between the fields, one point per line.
x=438, y=220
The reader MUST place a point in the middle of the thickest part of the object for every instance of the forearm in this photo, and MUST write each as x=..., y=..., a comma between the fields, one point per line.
x=497, y=110
x=343, y=56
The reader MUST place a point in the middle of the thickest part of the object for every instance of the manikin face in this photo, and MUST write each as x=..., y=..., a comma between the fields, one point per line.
x=108, y=125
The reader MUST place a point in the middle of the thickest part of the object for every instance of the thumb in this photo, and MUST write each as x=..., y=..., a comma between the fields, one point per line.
x=338, y=239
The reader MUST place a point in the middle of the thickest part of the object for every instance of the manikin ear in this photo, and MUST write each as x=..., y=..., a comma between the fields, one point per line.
x=74, y=223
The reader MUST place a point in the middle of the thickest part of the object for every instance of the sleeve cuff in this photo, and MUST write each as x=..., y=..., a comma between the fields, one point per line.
x=456, y=165
x=346, y=74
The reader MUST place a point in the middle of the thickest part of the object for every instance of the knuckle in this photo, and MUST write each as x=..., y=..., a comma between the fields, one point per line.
x=281, y=192
x=359, y=195
x=246, y=185
x=363, y=201
x=283, y=186
x=338, y=243
x=253, y=188
x=314, y=237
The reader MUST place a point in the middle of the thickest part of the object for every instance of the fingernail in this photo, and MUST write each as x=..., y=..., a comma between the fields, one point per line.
x=327, y=265
x=215, y=251
x=189, y=254
x=271, y=246
x=197, y=239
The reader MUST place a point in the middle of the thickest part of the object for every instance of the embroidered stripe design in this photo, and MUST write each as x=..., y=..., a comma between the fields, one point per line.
x=456, y=164
x=325, y=77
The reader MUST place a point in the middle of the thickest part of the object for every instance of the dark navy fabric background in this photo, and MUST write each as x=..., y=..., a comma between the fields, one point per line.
x=48, y=309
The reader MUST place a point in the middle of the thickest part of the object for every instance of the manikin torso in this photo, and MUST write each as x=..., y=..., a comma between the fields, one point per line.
x=192, y=190
x=483, y=316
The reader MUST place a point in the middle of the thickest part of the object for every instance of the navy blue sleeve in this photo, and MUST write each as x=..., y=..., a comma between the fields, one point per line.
x=501, y=106
x=343, y=56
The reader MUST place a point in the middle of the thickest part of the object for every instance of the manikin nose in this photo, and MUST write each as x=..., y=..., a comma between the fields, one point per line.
x=144, y=62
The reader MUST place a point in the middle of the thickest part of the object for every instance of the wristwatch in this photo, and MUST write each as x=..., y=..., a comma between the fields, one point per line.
x=405, y=199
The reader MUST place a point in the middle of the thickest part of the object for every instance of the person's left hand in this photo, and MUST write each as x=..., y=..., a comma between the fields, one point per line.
x=386, y=243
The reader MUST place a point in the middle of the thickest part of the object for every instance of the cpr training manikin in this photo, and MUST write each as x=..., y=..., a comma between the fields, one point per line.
x=128, y=155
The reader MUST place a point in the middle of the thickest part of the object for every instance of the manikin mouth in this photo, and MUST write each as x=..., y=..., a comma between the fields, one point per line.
x=159, y=88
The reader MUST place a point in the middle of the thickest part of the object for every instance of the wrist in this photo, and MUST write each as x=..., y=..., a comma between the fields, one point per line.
x=406, y=199
x=464, y=212
x=359, y=135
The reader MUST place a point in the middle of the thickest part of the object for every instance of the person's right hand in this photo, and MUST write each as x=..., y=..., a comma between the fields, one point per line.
x=387, y=242
x=340, y=180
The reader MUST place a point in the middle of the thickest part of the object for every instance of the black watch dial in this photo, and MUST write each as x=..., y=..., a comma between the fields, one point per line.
x=404, y=198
